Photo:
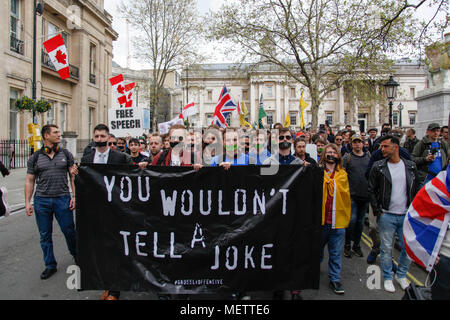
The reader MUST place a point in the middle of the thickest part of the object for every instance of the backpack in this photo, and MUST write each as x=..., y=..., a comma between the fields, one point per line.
x=36, y=156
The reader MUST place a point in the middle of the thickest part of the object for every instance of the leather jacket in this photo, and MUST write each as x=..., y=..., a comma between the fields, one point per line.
x=380, y=184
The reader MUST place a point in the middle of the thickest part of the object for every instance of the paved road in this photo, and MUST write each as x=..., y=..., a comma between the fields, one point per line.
x=21, y=264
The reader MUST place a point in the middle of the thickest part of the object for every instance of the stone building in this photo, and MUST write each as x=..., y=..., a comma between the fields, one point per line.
x=281, y=96
x=79, y=102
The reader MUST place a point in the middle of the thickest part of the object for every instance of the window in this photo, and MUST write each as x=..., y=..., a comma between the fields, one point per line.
x=329, y=118
x=91, y=121
x=395, y=118
x=292, y=92
x=92, y=58
x=51, y=113
x=13, y=114
x=244, y=94
x=293, y=117
x=412, y=118
x=177, y=79
x=209, y=95
x=345, y=118
x=269, y=92
x=15, y=44
x=228, y=119
x=62, y=117
x=412, y=93
x=308, y=118
x=270, y=119
x=209, y=118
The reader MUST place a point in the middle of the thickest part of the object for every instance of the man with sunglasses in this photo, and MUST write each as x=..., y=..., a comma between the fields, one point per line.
x=284, y=155
x=112, y=142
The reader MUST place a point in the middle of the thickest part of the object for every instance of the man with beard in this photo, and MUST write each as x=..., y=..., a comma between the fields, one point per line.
x=284, y=155
x=260, y=152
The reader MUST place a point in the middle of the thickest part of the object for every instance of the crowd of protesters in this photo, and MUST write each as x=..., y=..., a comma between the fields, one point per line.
x=365, y=176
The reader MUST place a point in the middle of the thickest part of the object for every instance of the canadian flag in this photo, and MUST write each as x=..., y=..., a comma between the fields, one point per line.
x=57, y=52
x=188, y=110
x=124, y=92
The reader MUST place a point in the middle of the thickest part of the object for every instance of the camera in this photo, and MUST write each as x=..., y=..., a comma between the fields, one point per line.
x=433, y=151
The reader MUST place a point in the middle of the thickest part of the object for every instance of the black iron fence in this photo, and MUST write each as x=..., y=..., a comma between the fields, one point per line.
x=14, y=153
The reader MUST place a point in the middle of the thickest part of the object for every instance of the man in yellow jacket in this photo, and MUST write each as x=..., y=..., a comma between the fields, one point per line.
x=336, y=212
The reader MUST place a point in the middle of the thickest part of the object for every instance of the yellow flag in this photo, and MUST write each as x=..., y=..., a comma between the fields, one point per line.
x=244, y=109
x=244, y=123
x=303, y=105
x=287, y=121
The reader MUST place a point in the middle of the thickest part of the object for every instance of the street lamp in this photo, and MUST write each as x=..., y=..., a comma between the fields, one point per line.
x=391, y=92
x=400, y=108
x=38, y=9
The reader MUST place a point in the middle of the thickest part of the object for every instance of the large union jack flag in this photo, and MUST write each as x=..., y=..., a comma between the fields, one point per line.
x=427, y=221
x=224, y=107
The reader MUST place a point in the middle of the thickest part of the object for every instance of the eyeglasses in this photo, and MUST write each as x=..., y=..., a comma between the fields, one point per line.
x=112, y=143
x=338, y=139
x=285, y=137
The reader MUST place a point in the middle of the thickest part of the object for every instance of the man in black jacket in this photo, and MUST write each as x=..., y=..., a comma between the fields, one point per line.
x=393, y=184
x=3, y=204
x=103, y=154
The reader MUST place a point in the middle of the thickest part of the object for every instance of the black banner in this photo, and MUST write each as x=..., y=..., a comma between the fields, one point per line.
x=176, y=230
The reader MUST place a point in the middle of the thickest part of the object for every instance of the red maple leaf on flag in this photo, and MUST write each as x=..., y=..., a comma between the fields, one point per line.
x=120, y=89
x=61, y=57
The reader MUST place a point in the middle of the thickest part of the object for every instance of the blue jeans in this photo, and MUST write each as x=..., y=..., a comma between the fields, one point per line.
x=44, y=209
x=335, y=240
x=389, y=224
x=355, y=227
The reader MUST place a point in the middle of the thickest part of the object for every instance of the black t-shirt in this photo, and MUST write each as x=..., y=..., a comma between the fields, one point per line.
x=140, y=158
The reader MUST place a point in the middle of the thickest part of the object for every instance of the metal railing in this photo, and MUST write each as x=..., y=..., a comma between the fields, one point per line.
x=14, y=153
x=47, y=62
x=16, y=45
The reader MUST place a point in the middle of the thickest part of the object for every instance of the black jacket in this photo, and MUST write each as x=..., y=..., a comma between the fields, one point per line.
x=3, y=169
x=380, y=184
x=114, y=157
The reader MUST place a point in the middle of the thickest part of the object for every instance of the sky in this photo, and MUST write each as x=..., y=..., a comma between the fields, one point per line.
x=119, y=25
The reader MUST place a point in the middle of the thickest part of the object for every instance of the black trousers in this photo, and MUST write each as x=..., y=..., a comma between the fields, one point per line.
x=441, y=287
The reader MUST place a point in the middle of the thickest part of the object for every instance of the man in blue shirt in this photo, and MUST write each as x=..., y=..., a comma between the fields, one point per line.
x=260, y=152
x=231, y=155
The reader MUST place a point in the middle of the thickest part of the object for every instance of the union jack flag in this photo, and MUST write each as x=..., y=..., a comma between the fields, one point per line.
x=427, y=221
x=224, y=107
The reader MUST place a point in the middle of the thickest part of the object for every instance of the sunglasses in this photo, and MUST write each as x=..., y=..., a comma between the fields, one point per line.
x=112, y=143
x=285, y=137
x=176, y=138
x=338, y=139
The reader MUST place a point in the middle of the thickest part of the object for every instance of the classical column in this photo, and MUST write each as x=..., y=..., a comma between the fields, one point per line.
x=286, y=101
x=278, y=102
x=253, y=115
x=341, y=107
x=201, y=107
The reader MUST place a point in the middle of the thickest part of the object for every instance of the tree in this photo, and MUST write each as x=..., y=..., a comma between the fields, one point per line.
x=319, y=43
x=166, y=35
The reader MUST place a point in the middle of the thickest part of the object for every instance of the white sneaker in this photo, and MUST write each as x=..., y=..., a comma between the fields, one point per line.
x=389, y=286
x=403, y=282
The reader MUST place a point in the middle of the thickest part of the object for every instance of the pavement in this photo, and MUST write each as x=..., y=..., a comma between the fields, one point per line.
x=15, y=185
x=21, y=264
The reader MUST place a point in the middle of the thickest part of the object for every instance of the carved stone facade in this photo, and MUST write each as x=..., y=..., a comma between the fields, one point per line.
x=81, y=101
x=281, y=96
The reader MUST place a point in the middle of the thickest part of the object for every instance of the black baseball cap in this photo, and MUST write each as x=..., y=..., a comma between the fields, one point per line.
x=433, y=126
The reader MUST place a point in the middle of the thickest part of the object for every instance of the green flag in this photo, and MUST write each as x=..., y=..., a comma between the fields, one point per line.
x=262, y=114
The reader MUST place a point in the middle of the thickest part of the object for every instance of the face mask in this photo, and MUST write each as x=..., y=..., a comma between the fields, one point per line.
x=284, y=145
x=319, y=150
x=260, y=146
x=174, y=144
x=231, y=148
x=101, y=144
x=332, y=159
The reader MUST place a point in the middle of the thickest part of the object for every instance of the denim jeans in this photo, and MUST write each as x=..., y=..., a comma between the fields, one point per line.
x=335, y=240
x=389, y=224
x=355, y=227
x=44, y=209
